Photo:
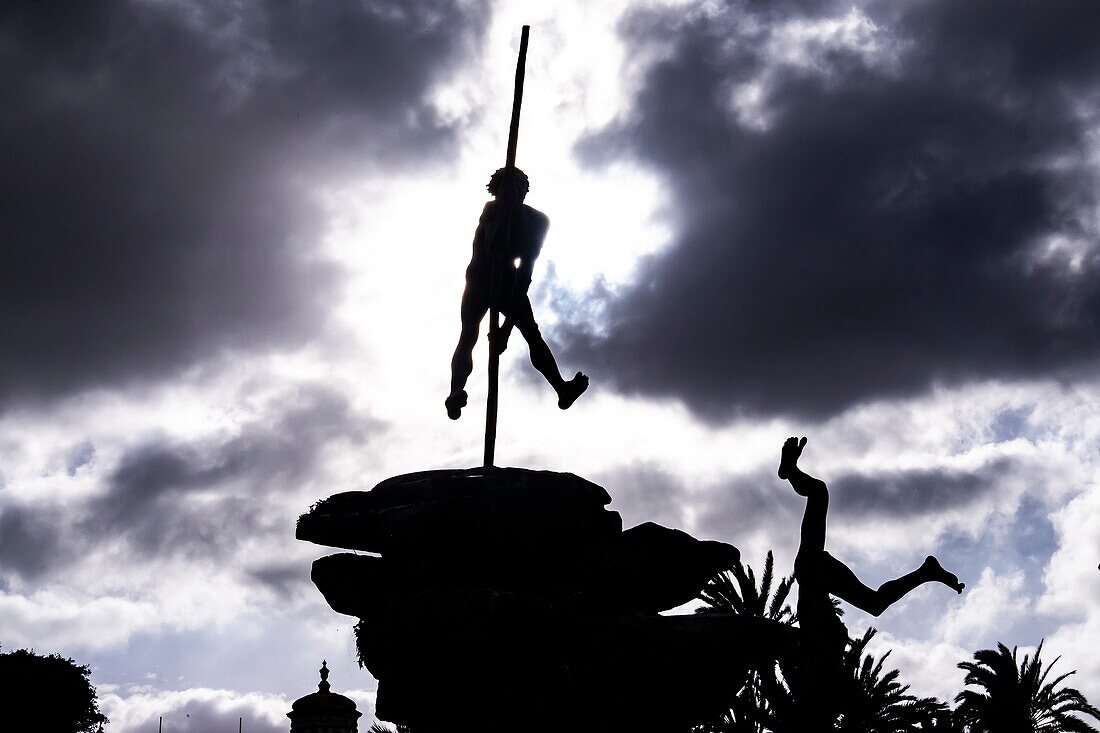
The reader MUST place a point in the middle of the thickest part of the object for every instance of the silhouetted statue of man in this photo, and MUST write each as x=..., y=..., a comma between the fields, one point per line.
x=510, y=233
x=820, y=575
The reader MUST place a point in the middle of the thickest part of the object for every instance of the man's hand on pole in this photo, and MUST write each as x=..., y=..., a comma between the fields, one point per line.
x=501, y=342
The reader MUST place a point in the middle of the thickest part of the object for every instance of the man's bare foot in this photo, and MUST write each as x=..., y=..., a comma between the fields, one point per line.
x=792, y=449
x=571, y=390
x=455, y=402
x=936, y=572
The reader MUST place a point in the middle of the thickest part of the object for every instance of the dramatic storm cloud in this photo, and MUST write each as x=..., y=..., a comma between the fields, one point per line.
x=864, y=203
x=912, y=493
x=168, y=497
x=159, y=166
x=231, y=256
x=29, y=543
x=197, y=499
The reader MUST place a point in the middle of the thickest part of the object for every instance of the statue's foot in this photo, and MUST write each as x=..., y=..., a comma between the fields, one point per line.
x=936, y=572
x=571, y=390
x=792, y=449
x=455, y=402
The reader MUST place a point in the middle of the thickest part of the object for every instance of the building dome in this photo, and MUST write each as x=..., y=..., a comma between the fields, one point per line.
x=324, y=711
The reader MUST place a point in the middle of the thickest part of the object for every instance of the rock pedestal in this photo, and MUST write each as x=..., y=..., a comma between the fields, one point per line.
x=508, y=598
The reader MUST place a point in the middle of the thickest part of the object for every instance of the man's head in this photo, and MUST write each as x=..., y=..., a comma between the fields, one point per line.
x=509, y=184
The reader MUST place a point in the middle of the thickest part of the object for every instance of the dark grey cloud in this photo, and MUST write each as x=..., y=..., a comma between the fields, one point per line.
x=30, y=542
x=756, y=503
x=880, y=234
x=915, y=492
x=285, y=579
x=156, y=168
x=728, y=508
x=645, y=492
x=761, y=502
x=200, y=497
x=197, y=498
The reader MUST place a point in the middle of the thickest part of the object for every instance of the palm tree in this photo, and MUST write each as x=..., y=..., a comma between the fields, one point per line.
x=1016, y=697
x=873, y=700
x=876, y=702
x=736, y=591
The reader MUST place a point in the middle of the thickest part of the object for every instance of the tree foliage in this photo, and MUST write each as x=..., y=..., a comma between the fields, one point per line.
x=736, y=592
x=876, y=702
x=50, y=694
x=1015, y=697
x=752, y=708
x=1004, y=695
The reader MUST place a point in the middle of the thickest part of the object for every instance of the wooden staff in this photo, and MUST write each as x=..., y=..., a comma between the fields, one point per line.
x=494, y=315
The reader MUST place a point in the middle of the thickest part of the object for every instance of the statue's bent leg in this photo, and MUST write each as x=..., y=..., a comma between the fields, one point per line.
x=541, y=357
x=844, y=584
x=840, y=581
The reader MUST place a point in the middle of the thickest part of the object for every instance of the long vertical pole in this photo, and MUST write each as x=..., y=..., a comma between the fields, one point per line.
x=494, y=315
x=517, y=97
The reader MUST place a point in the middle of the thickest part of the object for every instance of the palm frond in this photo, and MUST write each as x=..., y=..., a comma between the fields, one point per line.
x=1014, y=694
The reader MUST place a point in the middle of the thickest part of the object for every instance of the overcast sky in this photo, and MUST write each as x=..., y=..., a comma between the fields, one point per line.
x=233, y=242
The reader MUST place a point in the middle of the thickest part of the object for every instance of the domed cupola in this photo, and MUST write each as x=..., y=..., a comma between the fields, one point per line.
x=324, y=711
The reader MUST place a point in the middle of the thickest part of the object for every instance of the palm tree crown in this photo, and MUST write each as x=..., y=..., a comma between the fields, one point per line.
x=1015, y=697
x=877, y=702
x=736, y=592
x=753, y=707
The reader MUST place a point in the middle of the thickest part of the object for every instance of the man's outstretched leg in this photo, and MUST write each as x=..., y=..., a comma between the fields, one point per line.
x=543, y=359
x=843, y=583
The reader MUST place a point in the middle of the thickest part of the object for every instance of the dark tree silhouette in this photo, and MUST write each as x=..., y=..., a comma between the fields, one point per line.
x=752, y=710
x=876, y=702
x=872, y=699
x=47, y=693
x=822, y=579
x=736, y=591
x=1015, y=696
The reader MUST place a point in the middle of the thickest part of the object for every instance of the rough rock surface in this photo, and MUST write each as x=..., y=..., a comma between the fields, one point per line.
x=514, y=598
x=477, y=510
